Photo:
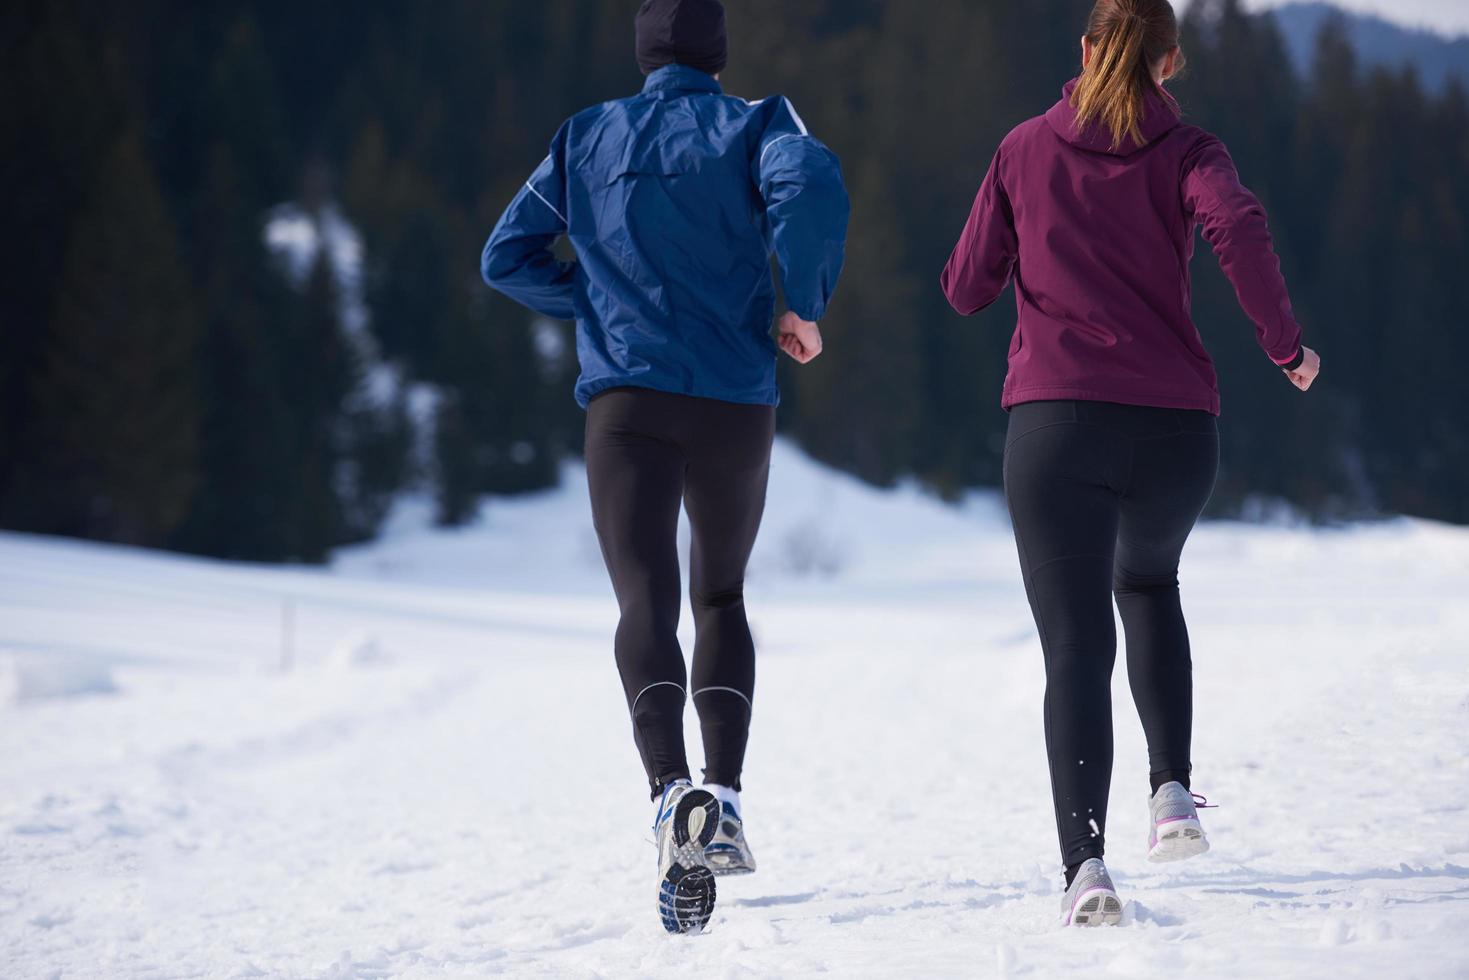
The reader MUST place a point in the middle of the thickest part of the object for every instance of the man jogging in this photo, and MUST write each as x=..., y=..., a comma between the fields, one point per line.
x=673, y=202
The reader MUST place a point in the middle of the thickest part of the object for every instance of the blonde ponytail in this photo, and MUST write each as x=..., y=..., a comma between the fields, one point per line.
x=1127, y=37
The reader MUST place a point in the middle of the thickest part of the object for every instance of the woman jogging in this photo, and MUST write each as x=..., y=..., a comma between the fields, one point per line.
x=1112, y=446
x=673, y=201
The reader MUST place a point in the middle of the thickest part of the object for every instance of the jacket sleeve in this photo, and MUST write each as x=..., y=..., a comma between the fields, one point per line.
x=517, y=259
x=984, y=259
x=806, y=203
x=1235, y=227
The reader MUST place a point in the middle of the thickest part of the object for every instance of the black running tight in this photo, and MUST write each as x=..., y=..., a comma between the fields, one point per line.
x=1103, y=497
x=648, y=452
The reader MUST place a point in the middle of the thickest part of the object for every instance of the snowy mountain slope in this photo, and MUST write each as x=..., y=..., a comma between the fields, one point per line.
x=442, y=783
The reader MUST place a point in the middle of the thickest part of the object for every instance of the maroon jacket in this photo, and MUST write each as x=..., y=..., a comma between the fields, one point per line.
x=1099, y=242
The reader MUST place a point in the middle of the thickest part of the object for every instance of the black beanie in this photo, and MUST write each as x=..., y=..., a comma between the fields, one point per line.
x=686, y=32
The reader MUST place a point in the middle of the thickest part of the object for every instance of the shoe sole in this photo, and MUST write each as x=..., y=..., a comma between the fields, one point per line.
x=726, y=859
x=1180, y=840
x=1097, y=907
x=686, y=893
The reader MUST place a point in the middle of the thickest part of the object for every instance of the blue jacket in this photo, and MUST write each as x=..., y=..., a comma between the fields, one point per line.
x=673, y=201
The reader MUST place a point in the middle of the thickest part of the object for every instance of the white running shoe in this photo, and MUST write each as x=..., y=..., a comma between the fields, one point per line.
x=1091, y=900
x=1176, y=833
x=729, y=852
x=683, y=828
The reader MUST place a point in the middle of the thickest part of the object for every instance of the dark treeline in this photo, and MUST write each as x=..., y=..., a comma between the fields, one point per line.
x=167, y=379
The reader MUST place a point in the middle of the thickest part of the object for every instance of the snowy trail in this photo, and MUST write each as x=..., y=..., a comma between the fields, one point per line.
x=443, y=784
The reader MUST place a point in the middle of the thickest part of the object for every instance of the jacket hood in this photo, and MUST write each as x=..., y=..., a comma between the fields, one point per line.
x=1160, y=114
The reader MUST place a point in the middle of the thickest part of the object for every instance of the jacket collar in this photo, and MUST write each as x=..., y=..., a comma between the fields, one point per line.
x=680, y=78
x=1159, y=116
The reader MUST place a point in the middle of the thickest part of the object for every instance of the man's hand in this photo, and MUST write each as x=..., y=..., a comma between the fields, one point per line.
x=1302, y=376
x=800, y=338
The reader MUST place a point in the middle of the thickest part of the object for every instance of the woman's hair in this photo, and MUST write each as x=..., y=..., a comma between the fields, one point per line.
x=1128, y=37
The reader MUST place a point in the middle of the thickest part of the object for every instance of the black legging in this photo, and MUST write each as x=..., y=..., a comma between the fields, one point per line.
x=1103, y=497
x=648, y=451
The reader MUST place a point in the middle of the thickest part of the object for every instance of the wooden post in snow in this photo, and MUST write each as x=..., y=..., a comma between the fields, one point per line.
x=288, y=633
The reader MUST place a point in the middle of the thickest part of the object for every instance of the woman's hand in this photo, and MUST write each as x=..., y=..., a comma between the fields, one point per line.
x=799, y=338
x=1302, y=376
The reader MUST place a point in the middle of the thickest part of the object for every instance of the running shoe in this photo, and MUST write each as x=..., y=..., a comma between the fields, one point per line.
x=686, y=822
x=1091, y=900
x=729, y=852
x=1176, y=833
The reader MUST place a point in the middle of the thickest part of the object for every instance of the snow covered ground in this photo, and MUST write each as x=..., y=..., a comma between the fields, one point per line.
x=417, y=763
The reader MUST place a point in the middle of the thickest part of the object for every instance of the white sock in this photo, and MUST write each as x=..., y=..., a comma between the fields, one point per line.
x=725, y=794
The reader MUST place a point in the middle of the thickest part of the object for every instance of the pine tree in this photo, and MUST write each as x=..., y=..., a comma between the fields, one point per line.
x=1328, y=118
x=119, y=387
x=457, y=482
x=65, y=106
x=873, y=347
x=376, y=437
x=317, y=373
x=1447, y=435
x=244, y=507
